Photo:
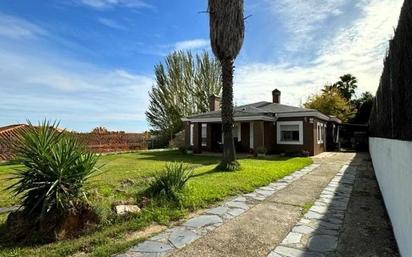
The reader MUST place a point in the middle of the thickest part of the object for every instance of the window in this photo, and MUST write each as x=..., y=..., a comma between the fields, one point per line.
x=320, y=132
x=290, y=132
x=204, y=134
x=191, y=134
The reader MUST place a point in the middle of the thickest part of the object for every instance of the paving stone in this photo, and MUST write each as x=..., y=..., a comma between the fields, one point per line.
x=292, y=252
x=313, y=215
x=237, y=205
x=256, y=197
x=150, y=254
x=323, y=243
x=273, y=254
x=239, y=199
x=181, y=237
x=292, y=238
x=267, y=188
x=203, y=220
x=323, y=231
x=329, y=225
x=303, y=229
x=162, y=237
x=152, y=247
x=235, y=212
x=265, y=192
x=218, y=210
x=319, y=209
x=304, y=221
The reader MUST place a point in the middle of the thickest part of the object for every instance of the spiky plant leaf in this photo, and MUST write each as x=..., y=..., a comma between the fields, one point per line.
x=55, y=169
x=171, y=181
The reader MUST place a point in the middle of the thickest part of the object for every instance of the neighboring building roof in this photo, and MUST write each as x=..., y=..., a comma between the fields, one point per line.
x=11, y=127
x=260, y=111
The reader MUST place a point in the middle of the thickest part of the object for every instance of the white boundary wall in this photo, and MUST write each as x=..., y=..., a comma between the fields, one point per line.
x=392, y=160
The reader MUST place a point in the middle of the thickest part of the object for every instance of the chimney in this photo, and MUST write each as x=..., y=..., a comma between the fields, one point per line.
x=214, y=103
x=276, y=96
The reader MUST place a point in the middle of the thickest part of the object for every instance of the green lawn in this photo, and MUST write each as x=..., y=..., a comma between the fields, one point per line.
x=125, y=175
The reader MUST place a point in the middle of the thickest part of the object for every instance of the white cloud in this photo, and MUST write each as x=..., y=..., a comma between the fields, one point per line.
x=192, y=44
x=302, y=17
x=104, y=4
x=34, y=87
x=358, y=48
x=14, y=27
x=111, y=23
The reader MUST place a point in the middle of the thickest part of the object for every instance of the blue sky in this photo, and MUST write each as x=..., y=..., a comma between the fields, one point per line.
x=90, y=63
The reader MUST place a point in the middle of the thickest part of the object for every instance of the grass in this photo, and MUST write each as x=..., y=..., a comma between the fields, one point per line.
x=126, y=175
x=306, y=207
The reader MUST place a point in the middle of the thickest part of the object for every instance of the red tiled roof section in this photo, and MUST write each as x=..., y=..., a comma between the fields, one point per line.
x=7, y=134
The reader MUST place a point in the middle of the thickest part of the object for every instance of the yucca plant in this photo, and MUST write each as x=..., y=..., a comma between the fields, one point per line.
x=170, y=182
x=56, y=167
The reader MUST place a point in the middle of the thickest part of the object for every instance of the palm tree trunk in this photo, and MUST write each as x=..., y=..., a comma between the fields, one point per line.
x=229, y=154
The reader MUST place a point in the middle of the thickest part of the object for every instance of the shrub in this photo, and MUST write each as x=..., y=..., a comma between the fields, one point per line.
x=56, y=167
x=170, y=182
x=261, y=150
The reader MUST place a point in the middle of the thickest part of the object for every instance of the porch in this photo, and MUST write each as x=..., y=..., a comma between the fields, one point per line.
x=208, y=137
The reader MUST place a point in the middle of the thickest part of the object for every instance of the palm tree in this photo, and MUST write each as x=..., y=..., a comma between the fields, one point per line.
x=347, y=86
x=227, y=31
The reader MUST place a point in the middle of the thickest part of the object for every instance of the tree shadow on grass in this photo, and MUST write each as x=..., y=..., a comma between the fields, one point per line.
x=177, y=156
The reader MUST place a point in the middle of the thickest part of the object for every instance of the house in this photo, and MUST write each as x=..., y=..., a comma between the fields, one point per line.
x=276, y=127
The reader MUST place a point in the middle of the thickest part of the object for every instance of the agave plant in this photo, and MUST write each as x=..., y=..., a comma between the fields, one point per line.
x=56, y=167
x=171, y=181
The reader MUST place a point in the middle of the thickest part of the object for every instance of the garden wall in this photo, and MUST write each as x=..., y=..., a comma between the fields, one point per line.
x=114, y=141
x=390, y=125
x=96, y=142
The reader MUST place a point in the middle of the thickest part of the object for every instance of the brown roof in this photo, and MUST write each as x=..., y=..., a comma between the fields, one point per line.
x=11, y=127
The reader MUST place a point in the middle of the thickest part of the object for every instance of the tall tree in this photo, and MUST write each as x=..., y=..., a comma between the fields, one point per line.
x=227, y=31
x=347, y=86
x=364, y=107
x=181, y=88
x=331, y=102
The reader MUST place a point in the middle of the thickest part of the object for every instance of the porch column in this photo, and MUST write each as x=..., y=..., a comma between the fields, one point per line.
x=197, y=137
x=259, y=134
x=187, y=134
x=251, y=136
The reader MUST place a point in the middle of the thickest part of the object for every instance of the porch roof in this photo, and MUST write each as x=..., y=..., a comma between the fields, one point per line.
x=266, y=111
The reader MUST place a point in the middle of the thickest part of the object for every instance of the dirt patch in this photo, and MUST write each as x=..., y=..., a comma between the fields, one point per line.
x=153, y=229
x=367, y=231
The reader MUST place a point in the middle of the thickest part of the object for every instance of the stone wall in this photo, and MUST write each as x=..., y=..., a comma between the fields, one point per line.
x=391, y=131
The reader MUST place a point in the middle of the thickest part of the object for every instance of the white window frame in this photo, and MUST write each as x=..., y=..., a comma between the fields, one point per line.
x=204, y=129
x=280, y=123
x=320, y=132
x=192, y=126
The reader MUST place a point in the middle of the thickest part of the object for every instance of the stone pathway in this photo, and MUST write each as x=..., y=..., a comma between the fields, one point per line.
x=250, y=224
x=193, y=229
x=316, y=234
